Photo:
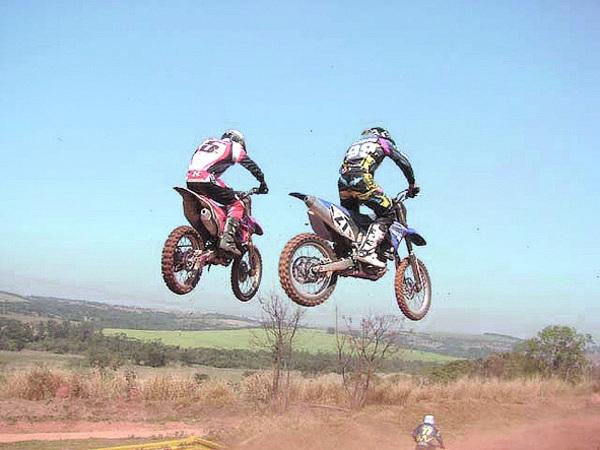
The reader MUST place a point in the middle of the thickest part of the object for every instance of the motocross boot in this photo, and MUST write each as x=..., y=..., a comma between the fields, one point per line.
x=228, y=239
x=367, y=250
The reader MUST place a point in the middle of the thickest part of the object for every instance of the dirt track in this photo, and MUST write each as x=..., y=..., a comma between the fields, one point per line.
x=55, y=431
x=560, y=434
x=581, y=433
x=558, y=424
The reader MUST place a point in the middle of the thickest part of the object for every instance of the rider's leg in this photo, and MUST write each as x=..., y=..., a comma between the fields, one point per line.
x=228, y=239
x=349, y=195
x=223, y=194
x=375, y=199
x=235, y=212
x=349, y=202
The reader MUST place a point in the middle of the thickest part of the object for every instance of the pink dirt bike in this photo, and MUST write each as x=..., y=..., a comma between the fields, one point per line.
x=188, y=250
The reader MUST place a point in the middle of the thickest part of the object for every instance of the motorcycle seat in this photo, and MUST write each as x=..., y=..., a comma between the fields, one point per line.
x=362, y=220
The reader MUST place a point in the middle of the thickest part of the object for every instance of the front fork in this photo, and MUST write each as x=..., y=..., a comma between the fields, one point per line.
x=412, y=259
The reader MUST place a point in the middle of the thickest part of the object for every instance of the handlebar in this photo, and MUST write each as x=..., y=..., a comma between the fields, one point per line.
x=403, y=195
x=243, y=194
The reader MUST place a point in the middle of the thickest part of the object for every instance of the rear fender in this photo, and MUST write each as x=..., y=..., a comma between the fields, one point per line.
x=326, y=218
x=193, y=204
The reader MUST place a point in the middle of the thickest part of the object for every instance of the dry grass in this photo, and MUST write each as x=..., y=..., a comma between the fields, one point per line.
x=43, y=383
x=409, y=392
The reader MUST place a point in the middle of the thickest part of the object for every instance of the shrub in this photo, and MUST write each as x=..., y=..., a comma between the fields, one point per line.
x=38, y=384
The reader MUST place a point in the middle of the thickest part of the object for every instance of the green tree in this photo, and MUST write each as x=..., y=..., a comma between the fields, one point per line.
x=559, y=351
x=14, y=335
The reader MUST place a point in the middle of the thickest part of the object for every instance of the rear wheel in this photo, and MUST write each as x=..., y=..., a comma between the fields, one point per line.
x=178, y=262
x=298, y=259
x=246, y=274
x=414, y=299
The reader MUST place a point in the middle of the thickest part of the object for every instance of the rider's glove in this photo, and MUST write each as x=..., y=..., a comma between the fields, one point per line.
x=263, y=188
x=413, y=190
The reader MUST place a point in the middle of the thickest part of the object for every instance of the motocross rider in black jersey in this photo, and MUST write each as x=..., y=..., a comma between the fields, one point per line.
x=357, y=186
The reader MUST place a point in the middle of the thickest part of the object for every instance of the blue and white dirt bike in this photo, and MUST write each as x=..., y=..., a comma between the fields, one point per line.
x=310, y=263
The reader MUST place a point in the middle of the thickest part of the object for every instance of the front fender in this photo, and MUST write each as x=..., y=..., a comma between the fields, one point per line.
x=255, y=226
x=399, y=232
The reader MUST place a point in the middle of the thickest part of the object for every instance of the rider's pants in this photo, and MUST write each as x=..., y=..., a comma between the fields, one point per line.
x=221, y=193
x=358, y=188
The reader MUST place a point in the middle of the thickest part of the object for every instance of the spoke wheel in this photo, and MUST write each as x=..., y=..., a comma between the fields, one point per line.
x=246, y=274
x=413, y=299
x=297, y=262
x=183, y=246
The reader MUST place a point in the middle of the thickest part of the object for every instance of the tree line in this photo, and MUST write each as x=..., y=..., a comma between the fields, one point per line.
x=84, y=338
x=556, y=351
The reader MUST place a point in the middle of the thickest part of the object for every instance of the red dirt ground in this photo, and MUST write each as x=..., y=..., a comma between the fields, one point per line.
x=562, y=434
x=565, y=424
x=54, y=431
x=581, y=433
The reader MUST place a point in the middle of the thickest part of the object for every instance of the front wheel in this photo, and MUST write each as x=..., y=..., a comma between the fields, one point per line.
x=178, y=262
x=297, y=262
x=414, y=299
x=246, y=274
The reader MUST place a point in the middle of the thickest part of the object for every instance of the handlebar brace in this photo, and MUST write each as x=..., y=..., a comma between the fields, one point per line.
x=243, y=194
x=403, y=195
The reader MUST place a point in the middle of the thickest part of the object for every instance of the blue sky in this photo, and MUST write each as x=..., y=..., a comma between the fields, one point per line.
x=497, y=105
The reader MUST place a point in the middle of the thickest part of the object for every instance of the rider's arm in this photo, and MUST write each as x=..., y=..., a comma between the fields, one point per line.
x=438, y=436
x=399, y=158
x=253, y=168
x=239, y=155
x=416, y=432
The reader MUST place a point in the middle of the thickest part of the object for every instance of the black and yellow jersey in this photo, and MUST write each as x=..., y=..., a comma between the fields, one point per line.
x=427, y=436
x=365, y=155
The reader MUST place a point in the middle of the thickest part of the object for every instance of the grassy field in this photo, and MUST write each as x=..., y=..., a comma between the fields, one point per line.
x=310, y=340
x=26, y=359
x=11, y=362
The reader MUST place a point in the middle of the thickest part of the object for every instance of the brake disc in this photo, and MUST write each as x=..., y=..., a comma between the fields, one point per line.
x=243, y=271
x=302, y=269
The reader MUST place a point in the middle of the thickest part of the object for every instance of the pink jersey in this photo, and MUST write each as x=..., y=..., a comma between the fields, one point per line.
x=212, y=158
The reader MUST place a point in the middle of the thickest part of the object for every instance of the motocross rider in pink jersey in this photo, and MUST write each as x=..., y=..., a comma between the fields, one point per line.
x=210, y=160
x=357, y=186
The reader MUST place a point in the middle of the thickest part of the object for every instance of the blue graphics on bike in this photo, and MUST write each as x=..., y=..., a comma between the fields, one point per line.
x=311, y=263
x=325, y=217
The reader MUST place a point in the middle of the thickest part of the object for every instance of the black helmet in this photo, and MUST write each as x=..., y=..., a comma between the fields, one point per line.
x=235, y=136
x=378, y=131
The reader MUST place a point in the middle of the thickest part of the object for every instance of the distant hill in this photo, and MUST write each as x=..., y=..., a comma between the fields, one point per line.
x=460, y=345
x=105, y=315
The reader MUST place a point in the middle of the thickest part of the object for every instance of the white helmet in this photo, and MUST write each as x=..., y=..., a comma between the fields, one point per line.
x=429, y=419
x=235, y=136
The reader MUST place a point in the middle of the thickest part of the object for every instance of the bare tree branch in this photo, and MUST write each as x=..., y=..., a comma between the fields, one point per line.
x=279, y=326
x=362, y=350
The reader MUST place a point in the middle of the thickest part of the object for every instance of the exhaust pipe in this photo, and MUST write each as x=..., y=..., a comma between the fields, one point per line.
x=208, y=222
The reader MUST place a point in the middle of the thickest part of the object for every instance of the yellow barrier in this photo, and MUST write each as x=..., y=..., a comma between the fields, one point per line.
x=191, y=443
